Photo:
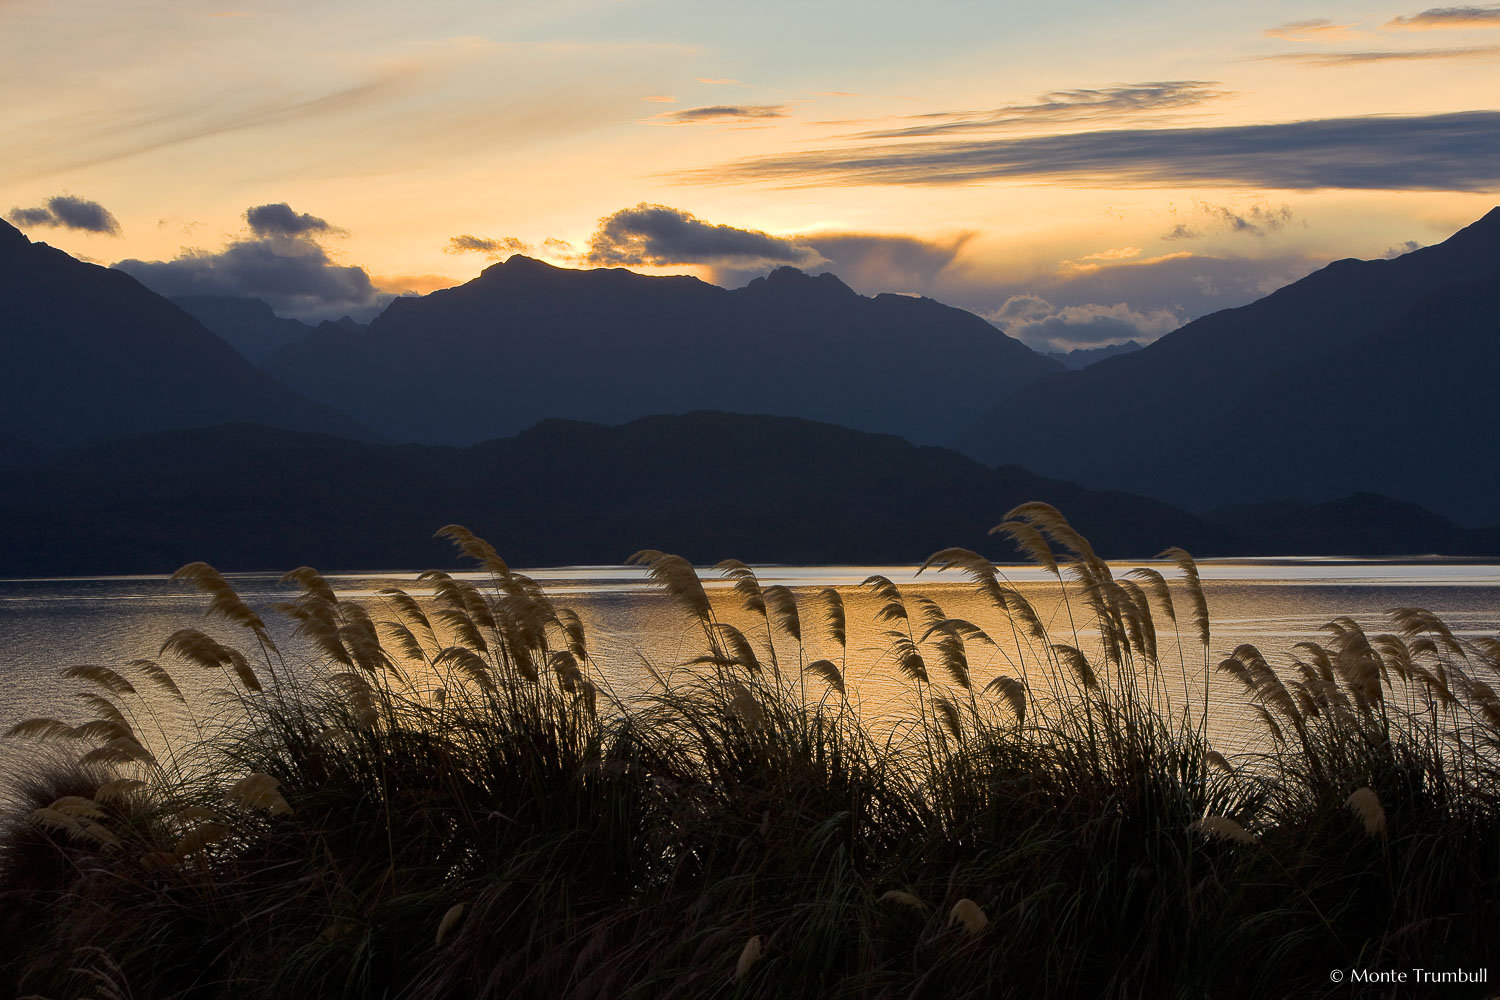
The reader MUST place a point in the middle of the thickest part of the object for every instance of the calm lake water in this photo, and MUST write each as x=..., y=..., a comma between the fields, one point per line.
x=46, y=625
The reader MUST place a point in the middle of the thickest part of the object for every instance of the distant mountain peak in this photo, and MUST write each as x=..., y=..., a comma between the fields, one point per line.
x=786, y=273
x=1082, y=357
x=787, y=277
x=519, y=264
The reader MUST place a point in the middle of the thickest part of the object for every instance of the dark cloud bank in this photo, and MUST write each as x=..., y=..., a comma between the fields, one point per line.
x=1449, y=17
x=279, y=220
x=67, y=212
x=1450, y=152
x=659, y=236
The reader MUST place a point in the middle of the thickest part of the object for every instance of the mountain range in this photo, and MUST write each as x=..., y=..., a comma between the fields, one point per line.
x=250, y=326
x=1370, y=375
x=526, y=341
x=706, y=485
x=91, y=353
x=1351, y=411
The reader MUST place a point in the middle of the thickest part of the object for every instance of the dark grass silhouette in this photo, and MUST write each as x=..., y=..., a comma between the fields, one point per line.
x=448, y=799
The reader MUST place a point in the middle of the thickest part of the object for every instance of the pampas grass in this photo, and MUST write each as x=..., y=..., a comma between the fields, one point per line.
x=1065, y=829
x=967, y=914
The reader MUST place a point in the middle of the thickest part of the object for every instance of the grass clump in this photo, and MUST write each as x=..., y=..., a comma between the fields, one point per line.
x=447, y=798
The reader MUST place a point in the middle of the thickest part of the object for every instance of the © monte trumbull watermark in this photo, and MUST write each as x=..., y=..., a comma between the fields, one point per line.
x=1412, y=976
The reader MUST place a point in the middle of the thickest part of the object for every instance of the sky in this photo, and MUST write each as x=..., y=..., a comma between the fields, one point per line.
x=1080, y=173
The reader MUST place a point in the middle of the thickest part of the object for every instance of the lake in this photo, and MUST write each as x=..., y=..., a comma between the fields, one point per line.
x=48, y=624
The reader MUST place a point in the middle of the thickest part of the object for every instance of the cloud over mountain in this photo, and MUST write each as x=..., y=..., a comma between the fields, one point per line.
x=888, y=263
x=67, y=212
x=1042, y=326
x=659, y=236
x=1106, y=297
x=281, y=262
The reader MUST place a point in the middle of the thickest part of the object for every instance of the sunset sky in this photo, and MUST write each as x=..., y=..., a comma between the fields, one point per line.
x=1078, y=172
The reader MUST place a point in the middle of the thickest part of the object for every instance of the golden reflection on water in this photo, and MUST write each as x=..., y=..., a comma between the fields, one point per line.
x=48, y=625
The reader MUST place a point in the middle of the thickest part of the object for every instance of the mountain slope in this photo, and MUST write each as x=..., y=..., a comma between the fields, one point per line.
x=705, y=485
x=1113, y=422
x=91, y=353
x=248, y=325
x=1410, y=410
x=526, y=341
x=1082, y=357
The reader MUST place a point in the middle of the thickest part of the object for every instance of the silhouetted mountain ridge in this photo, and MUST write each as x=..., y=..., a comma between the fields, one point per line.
x=706, y=485
x=1082, y=357
x=91, y=353
x=249, y=325
x=526, y=341
x=1178, y=418
x=1410, y=408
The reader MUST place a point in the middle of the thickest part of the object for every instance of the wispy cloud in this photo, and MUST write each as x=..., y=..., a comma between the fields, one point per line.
x=92, y=138
x=1385, y=55
x=1098, y=261
x=1448, y=17
x=1206, y=218
x=721, y=113
x=717, y=81
x=1128, y=102
x=884, y=262
x=67, y=212
x=412, y=284
x=468, y=243
x=1451, y=152
x=1117, y=253
x=1318, y=29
